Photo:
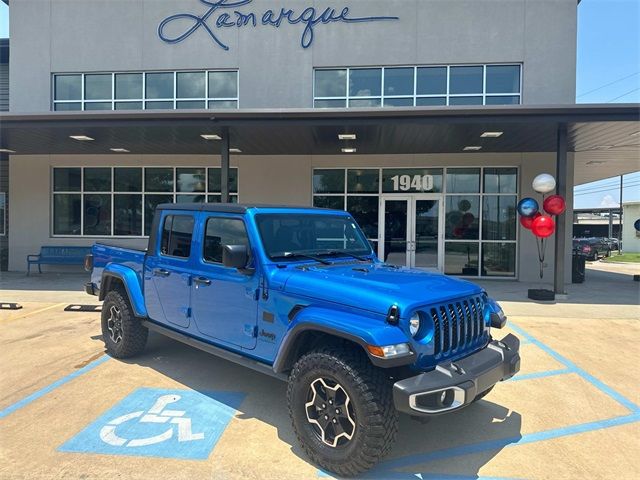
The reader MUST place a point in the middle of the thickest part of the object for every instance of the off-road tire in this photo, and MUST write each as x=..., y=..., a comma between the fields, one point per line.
x=480, y=396
x=370, y=394
x=133, y=334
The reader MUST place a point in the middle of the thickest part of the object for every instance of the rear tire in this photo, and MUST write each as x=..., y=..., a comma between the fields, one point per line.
x=342, y=409
x=123, y=334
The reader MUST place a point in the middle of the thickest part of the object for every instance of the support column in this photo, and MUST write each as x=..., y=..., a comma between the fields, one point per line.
x=224, y=165
x=561, y=189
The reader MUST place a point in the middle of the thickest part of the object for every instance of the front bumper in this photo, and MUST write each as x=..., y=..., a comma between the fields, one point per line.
x=454, y=385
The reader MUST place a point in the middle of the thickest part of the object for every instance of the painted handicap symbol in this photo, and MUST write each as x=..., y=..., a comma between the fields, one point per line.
x=154, y=422
x=156, y=414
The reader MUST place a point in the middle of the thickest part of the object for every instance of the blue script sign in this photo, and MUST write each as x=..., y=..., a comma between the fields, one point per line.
x=223, y=14
x=153, y=422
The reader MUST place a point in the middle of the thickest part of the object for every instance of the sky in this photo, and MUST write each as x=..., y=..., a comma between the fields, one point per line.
x=608, y=71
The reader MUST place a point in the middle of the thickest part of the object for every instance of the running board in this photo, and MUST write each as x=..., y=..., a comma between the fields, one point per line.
x=213, y=350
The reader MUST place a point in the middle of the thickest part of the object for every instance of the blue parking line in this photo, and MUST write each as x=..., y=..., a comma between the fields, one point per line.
x=507, y=442
x=572, y=366
x=58, y=383
x=548, y=373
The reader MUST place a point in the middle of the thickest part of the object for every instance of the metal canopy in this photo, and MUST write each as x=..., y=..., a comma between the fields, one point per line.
x=591, y=128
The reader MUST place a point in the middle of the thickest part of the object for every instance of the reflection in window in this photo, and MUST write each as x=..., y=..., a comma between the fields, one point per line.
x=365, y=212
x=419, y=86
x=499, y=217
x=463, y=180
x=498, y=259
x=363, y=181
x=500, y=180
x=221, y=232
x=365, y=82
x=176, y=236
x=124, y=91
x=328, y=181
x=462, y=217
x=332, y=202
x=461, y=258
x=97, y=214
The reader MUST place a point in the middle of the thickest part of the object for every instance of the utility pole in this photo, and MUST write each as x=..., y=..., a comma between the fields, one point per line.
x=620, y=220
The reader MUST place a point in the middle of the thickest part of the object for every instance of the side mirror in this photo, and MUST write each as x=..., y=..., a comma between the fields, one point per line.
x=235, y=256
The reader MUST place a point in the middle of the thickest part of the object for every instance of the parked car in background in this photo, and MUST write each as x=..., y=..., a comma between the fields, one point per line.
x=613, y=243
x=593, y=247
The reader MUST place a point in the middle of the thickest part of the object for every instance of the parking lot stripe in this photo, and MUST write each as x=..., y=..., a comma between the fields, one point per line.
x=548, y=373
x=498, y=444
x=572, y=366
x=50, y=307
x=58, y=383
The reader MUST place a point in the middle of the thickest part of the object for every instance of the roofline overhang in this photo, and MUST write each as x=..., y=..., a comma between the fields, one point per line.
x=572, y=113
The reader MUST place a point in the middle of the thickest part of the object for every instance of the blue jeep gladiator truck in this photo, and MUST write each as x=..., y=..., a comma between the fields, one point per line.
x=298, y=293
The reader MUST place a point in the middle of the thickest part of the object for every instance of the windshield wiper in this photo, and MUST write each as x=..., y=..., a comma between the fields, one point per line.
x=304, y=255
x=348, y=254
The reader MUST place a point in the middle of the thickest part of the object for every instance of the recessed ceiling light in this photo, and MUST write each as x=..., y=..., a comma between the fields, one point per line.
x=6, y=150
x=472, y=148
x=211, y=136
x=491, y=134
x=119, y=150
x=349, y=150
x=235, y=150
x=346, y=136
x=595, y=162
x=634, y=133
x=602, y=147
x=81, y=138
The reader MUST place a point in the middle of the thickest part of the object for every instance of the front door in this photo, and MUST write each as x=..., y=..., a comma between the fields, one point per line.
x=411, y=229
x=223, y=300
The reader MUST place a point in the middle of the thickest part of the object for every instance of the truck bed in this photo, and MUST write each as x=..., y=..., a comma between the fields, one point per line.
x=104, y=254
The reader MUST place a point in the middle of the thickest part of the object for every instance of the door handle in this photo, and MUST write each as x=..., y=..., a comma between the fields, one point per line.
x=202, y=281
x=161, y=272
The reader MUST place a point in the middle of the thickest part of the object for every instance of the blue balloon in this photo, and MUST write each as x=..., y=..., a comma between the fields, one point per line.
x=528, y=207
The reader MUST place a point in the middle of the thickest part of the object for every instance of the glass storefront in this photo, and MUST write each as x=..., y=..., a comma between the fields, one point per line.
x=461, y=221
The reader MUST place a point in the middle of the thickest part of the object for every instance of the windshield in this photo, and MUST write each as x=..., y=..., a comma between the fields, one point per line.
x=296, y=235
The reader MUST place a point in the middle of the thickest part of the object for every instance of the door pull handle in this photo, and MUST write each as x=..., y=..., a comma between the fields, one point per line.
x=161, y=272
x=202, y=281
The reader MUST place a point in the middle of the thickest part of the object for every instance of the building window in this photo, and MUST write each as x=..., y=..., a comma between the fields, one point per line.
x=3, y=214
x=417, y=86
x=146, y=90
x=480, y=224
x=120, y=201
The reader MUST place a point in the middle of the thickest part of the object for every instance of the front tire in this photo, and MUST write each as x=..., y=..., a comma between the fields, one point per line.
x=122, y=333
x=342, y=409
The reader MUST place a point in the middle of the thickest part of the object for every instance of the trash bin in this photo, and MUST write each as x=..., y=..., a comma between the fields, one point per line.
x=578, y=268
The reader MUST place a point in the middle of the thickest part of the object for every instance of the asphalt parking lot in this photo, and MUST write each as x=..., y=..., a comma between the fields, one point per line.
x=572, y=411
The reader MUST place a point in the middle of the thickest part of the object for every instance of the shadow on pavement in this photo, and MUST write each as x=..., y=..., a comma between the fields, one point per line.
x=48, y=281
x=419, y=448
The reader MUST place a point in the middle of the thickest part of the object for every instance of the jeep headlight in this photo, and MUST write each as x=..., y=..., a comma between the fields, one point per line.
x=414, y=324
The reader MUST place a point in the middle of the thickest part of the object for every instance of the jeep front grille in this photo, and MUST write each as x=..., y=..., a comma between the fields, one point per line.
x=457, y=324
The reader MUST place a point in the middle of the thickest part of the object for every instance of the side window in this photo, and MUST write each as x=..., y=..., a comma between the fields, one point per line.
x=219, y=232
x=176, y=236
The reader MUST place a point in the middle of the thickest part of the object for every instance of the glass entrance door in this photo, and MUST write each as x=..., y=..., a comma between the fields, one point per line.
x=411, y=230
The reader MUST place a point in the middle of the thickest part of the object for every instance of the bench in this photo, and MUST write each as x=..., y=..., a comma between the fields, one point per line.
x=50, y=255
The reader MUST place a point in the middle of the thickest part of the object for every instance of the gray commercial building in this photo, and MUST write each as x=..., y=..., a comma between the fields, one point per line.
x=426, y=119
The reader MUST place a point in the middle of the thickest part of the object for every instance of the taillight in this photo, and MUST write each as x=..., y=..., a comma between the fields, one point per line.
x=88, y=262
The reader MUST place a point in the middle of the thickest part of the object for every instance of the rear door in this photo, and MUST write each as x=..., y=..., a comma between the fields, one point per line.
x=168, y=271
x=224, y=300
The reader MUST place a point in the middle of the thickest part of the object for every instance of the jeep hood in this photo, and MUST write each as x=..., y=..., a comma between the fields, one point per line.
x=374, y=287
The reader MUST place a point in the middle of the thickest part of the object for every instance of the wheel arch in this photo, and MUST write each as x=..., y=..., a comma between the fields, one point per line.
x=115, y=276
x=312, y=329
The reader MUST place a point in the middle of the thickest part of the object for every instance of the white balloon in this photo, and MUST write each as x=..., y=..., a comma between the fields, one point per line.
x=544, y=183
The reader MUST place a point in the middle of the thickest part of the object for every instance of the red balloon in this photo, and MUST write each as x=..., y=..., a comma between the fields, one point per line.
x=543, y=226
x=527, y=221
x=554, y=205
x=468, y=218
x=458, y=232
